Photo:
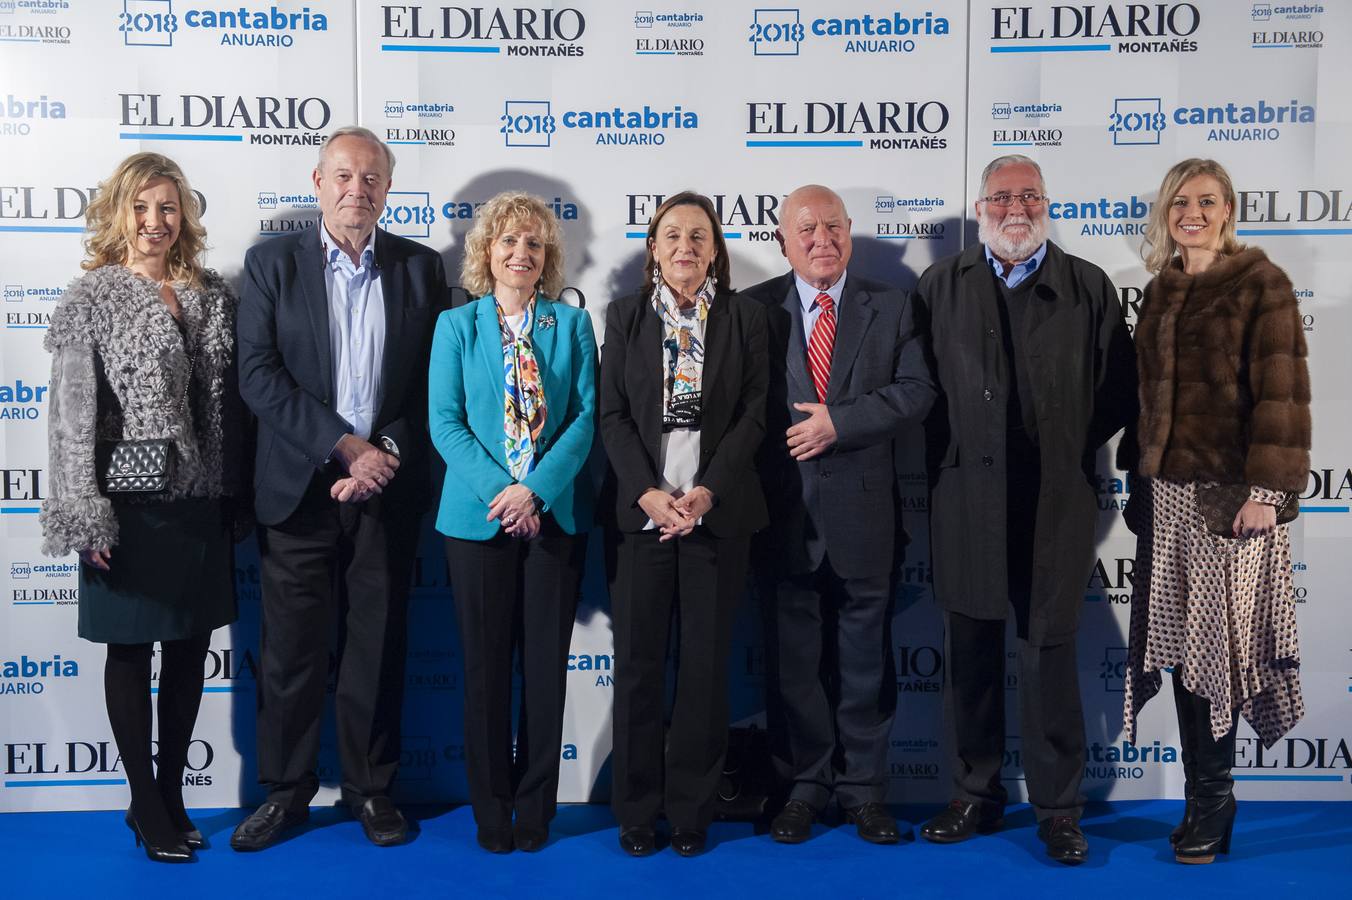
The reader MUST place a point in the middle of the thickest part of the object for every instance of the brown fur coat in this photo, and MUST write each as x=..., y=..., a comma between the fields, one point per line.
x=1225, y=392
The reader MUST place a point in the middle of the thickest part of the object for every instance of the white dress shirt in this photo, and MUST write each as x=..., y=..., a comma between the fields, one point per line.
x=356, y=331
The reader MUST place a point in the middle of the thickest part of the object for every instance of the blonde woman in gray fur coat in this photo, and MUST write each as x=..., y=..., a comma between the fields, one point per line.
x=143, y=347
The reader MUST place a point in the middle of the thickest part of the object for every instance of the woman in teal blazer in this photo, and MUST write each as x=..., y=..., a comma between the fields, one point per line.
x=512, y=410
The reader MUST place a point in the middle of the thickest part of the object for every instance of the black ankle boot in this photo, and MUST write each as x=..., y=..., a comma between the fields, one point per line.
x=1183, y=705
x=1214, y=805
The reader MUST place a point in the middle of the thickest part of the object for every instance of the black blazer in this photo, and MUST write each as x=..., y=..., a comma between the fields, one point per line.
x=286, y=367
x=844, y=501
x=733, y=424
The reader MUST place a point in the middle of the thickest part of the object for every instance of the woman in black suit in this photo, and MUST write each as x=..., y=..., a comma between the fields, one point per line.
x=683, y=385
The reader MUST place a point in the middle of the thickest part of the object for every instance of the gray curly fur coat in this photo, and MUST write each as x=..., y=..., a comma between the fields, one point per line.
x=119, y=366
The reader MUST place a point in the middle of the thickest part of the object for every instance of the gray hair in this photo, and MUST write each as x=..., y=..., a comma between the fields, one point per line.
x=365, y=134
x=1012, y=159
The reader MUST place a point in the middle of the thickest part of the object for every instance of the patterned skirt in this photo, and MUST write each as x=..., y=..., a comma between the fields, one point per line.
x=1221, y=610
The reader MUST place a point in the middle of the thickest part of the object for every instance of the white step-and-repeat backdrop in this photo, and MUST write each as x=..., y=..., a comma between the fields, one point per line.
x=603, y=109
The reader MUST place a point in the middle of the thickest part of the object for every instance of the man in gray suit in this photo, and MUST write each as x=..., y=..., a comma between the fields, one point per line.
x=847, y=374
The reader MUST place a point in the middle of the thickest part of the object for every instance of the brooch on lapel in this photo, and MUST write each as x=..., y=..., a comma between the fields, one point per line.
x=546, y=322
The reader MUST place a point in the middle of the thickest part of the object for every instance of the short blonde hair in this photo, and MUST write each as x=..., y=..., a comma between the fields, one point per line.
x=110, y=223
x=508, y=210
x=1159, y=247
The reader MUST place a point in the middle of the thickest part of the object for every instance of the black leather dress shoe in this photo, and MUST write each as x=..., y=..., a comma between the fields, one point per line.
x=874, y=823
x=265, y=825
x=638, y=840
x=1064, y=839
x=495, y=838
x=960, y=820
x=382, y=821
x=530, y=838
x=688, y=841
x=793, y=825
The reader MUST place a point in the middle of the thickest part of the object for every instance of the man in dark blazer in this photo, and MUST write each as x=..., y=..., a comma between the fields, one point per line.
x=1035, y=371
x=335, y=325
x=847, y=374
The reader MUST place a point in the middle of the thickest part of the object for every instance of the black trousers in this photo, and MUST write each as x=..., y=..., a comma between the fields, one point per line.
x=515, y=595
x=333, y=563
x=701, y=578
x=1051, y=719
x=833, y=684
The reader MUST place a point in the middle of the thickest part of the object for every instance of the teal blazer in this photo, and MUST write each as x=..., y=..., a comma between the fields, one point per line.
x=465, y=409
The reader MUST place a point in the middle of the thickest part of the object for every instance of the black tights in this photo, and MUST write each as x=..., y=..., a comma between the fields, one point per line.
x=156, y=799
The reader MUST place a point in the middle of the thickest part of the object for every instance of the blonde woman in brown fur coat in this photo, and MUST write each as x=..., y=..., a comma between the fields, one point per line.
x=1225, y=399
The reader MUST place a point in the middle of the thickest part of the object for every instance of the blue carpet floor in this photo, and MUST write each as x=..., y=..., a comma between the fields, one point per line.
x=1301, y=847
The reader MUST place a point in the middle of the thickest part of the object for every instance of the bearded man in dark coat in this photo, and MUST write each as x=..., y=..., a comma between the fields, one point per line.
x=1036, y=371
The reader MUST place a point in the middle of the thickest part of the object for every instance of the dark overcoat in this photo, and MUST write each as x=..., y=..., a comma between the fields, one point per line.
x=1082, y=373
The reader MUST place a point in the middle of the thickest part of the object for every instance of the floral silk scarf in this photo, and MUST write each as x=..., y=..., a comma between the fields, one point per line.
x=682, y=354
x=523, y=395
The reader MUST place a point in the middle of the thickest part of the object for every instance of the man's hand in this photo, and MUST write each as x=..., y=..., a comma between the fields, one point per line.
x=350, y=490
x=372, y=467
x=814, y=435
x=695, y=503
x=512, y=504
x=666, y=515
x=96, y=559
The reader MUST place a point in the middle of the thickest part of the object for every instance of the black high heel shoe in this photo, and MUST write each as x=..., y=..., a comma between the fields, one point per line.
x=177, y=852
x=192, y=838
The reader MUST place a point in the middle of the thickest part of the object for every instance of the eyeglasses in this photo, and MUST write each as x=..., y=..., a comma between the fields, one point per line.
x=1027, y=198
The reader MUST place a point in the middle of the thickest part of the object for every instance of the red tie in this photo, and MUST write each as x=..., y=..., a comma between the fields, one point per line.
x=820, y=344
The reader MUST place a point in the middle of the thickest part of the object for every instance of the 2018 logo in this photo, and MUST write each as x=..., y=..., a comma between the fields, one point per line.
x=154, y=23
x=408, y=213
x=781, y=32
x=530, y=123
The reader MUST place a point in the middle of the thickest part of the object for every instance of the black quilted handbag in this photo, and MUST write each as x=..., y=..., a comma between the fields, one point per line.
x=144, y=466
x=137, y=467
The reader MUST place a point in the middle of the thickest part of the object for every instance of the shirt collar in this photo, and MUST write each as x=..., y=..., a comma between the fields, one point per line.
x=333, y=254
x=807, y=294
x=1028, y=266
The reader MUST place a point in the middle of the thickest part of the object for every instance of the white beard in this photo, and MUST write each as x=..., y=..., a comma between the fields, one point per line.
x=1006, y=246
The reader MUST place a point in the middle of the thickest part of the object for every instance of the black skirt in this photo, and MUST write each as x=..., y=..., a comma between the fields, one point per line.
x=171, y=575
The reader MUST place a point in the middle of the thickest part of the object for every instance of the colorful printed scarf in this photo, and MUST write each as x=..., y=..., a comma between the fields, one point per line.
x=524, y=395
x=682, y=354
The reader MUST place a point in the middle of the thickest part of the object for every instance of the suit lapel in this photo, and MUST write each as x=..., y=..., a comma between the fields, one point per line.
x=310, y=264
x=851, y=323
x=393, y=284
x=647, y=399
x=800, y=382
x=544, y=338
x=716, y=341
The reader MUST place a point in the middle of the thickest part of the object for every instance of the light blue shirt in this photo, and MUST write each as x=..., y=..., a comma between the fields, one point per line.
x=356, y=331
x=807, y=295
x=1019, y=271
